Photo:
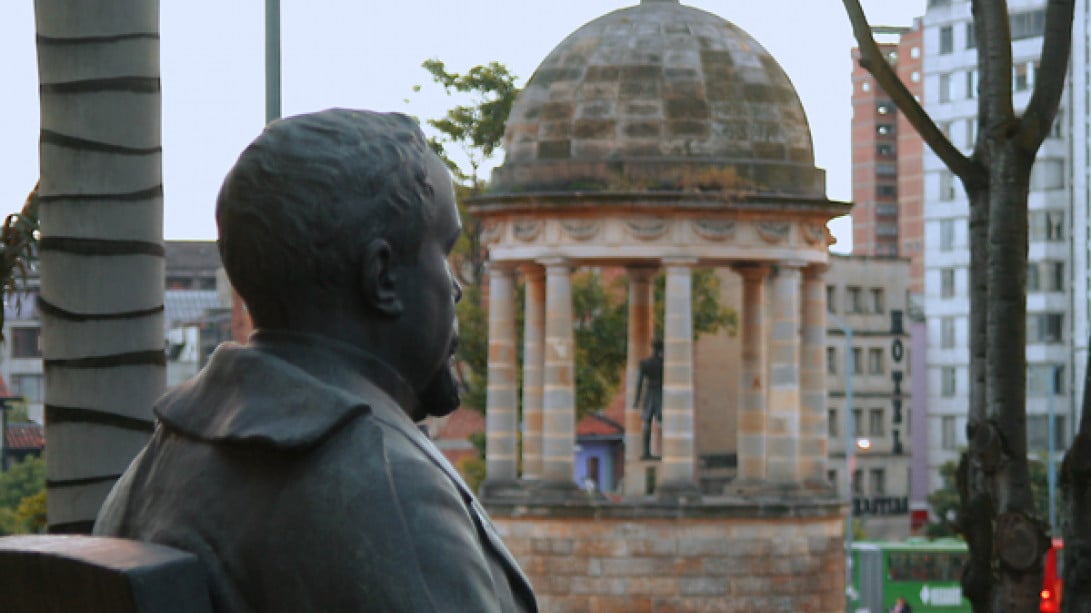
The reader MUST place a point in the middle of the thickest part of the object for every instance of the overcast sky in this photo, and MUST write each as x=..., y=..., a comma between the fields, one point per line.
x=355, y=53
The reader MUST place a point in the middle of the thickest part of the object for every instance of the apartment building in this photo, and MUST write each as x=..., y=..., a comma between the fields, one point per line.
x=1057, y=281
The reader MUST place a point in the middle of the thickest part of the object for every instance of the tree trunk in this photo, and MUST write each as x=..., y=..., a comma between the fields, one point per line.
x=1075, y=485
x=975, y=503
x=101, y=206
x=1019, y=537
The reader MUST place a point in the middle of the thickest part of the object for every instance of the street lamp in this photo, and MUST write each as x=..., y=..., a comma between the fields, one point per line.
x=850, y=453
x=1051, y=472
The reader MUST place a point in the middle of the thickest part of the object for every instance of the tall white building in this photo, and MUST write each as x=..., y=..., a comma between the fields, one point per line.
x=1057, y=285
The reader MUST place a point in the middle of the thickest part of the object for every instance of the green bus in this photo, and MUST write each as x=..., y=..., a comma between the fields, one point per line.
x=924, y=572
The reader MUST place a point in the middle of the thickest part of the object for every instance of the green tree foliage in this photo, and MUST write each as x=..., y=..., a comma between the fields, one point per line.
x=945, y=500
x=20, y=483
x=19, y=249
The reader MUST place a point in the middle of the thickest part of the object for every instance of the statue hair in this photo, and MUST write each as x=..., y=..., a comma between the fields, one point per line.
x=304, y=198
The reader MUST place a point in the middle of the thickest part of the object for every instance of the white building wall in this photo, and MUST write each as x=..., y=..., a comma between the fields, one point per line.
x=957, y=112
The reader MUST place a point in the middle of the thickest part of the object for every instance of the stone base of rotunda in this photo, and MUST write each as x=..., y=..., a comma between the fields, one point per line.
x=720, y=554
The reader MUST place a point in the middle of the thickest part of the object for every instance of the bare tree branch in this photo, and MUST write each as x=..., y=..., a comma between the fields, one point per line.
x=1051, y=74
x=872, y=59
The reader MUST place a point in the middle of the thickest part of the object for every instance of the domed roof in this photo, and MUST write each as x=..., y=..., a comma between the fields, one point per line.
x=659, y=96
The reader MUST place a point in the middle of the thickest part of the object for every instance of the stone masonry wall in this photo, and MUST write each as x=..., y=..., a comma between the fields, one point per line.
x=675, y=565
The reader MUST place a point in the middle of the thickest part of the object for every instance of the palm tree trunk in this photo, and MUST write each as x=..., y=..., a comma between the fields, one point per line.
x=101, y=206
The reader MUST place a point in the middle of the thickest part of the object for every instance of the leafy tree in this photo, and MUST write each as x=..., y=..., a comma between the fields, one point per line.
x=997, y=513
x=23, y=480
x=19, y=245
x=945, y=500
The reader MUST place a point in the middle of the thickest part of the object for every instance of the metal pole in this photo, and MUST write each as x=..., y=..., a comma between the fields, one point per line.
x=272, y=60
x=850, y=456
x=1051, y=472
x=850, y=463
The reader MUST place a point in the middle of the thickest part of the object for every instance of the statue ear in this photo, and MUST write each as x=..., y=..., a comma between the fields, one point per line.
x=379, y=280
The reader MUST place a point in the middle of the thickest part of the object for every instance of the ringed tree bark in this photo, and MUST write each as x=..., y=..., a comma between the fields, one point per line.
x=101, y=212
x=997, y=516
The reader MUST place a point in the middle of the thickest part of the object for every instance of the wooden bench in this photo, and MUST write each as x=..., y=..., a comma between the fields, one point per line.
x=65, y=574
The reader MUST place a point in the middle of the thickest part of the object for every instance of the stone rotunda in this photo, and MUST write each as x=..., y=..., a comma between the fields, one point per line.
x=662, y=137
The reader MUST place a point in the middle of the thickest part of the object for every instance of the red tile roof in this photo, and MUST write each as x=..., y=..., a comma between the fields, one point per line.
x=461, y=424
x=597, y=424
x=25, y=436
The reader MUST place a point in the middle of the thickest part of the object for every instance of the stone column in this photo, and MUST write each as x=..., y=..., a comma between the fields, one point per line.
x=641, y=326
x=677, y=478
x=813, y=433
x=754, y=382
x=501, y=400
x=533, y=357
x=782, y=443
x=559, y=379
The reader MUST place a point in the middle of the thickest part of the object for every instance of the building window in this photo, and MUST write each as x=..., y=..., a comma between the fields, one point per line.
x=884, y=129
x=1047, y=225
x=886, y=191
x=878, y=304
x=1020, y=77
x=945, y=88
x=947, y=332
x=886, y=170
x=1045, y=328
x=1038, y=433
x=875, y=424
x=831, y=360
x=946, y=40
x=949, y=383
x=1028, y=25
x=884, y=150
x=971, y=84
x=885, y=107
x=26, y=342
x=915, y=52
x=1045, y=379
x=856, y=299
x=831, y=425
x=857, y=422
x=831, y=299
x=857, y=361
x=866, y=86
x=947, y=282
x=1055, y=129
x=948, y=440
x=971, y=133
x=29, y=386
x=971, y=36
x=875, y=361
x=946, y=185
x=1045, y=277
x=946, y=234
x=857, y=481
x=915, y=77
x=878, y=481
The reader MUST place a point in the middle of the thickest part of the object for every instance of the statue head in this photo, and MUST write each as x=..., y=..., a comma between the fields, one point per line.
x=339, y=223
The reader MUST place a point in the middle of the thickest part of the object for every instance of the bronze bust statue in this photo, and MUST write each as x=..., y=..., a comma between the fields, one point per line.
x=291, y=465
x=649, y=385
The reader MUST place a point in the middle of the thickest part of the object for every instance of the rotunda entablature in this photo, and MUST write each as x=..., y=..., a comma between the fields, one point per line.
x=635, y=235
